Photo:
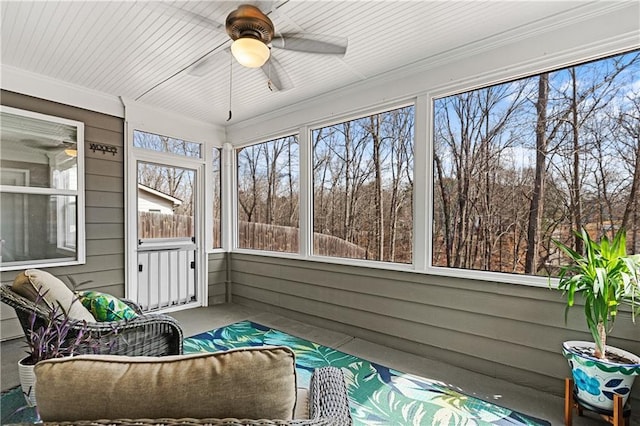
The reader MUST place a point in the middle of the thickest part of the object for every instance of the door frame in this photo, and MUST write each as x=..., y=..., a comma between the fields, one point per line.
x=132, y=157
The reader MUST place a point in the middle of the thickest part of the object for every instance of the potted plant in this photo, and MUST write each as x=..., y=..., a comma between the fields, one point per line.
x=55, y=338
x=607, y=278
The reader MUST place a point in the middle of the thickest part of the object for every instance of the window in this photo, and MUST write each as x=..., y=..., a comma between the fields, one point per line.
x=42, y=197
x=167, y=144
x=268, y=196
x=519, y=164
x=363, y=188
x=217, y=194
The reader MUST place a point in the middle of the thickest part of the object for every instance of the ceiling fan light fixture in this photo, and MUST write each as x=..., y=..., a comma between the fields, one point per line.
x=250, y=52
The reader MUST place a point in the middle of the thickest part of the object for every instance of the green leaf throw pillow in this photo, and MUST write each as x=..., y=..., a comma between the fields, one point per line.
x=106, y=307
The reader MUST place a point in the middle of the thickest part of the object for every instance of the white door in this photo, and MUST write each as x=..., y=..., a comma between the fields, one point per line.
x=167, y=249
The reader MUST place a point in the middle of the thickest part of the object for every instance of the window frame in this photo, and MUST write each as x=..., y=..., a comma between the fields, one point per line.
x=78, y=193
x=305, y=162
x=423, y=168
x=235, y=202
x=464, y=86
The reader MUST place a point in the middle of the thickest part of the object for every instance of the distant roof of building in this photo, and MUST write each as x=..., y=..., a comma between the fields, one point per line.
x=150, y=190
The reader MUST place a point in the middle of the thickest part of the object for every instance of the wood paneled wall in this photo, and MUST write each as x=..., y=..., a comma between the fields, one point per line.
x=217, y=278
x=509, y=331
x=104, y=202
x=104, y=210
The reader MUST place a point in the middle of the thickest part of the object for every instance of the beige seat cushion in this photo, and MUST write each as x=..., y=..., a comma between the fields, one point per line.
x=32, y=281
x=252, y=383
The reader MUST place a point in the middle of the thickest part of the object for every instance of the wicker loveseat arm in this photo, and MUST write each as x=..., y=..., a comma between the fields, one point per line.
x=328, y=401
x=147, y=334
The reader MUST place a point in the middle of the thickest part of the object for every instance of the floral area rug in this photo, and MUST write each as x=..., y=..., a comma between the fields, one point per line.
x=378, y=395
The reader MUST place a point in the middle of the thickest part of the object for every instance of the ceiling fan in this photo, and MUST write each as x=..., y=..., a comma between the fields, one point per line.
x=254, y=35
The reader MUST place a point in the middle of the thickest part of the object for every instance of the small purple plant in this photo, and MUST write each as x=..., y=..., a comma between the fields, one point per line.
x=59, y=336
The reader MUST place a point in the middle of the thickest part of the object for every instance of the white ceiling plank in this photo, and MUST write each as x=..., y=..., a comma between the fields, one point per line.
x=141, y=50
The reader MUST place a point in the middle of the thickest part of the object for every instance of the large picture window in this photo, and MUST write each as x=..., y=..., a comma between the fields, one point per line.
x=42, y=197
x=268, y=196
x=520, y=164
x=363, y=187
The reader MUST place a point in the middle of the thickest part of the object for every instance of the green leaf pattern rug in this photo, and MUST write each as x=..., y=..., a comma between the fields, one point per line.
x=378, y=395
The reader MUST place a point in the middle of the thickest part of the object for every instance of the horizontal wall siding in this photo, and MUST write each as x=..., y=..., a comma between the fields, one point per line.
x=217, y=278
x=506, y=331
x=104, y=204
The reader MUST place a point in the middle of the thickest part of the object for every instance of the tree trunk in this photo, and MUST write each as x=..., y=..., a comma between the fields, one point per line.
x=576, y=202
x=537, y=198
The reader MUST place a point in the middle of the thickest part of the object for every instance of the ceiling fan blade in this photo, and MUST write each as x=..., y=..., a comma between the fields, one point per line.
x=205, y=65
x=278, y=77
x=186, y=15
x=311, y=43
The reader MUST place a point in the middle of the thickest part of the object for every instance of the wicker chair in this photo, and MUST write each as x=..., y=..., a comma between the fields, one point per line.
x=147, y=334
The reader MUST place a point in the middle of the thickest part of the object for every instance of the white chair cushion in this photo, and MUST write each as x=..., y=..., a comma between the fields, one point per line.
x=33, y=281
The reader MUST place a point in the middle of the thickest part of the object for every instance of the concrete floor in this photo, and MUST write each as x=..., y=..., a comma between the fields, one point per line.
x=193, y=321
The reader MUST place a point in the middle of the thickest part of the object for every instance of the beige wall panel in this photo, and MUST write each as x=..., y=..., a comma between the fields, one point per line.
x=99, y=135
x=104, y=231
x=490, y=326
x=547, y=308
x=431, y=316
x=216, y=300
x=217, y=278
x=103, y=183
x=103, y=167
x=104, y=215
x=99, y=247
x=103, y=199
x=481, y=326
x=108, y=281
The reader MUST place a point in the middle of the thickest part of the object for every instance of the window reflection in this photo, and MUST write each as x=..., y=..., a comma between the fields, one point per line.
x=39, y=184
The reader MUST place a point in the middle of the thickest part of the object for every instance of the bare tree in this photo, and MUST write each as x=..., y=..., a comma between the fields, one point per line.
x=537, y=197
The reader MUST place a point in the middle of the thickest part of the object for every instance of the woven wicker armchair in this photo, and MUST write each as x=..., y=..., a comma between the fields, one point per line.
x=147, y=334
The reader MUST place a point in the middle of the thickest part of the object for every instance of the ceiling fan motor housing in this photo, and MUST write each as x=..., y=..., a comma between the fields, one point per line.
x=249, y=21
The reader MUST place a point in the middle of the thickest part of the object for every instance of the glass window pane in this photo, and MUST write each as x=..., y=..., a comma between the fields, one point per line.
x=363, y=188
x=165, y=201
x=268, y=196
x=37, y=153
x=37, y=227
x=161, y=143
x=519, y=164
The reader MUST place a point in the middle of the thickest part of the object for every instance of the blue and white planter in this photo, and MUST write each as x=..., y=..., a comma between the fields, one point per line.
x=598, y=380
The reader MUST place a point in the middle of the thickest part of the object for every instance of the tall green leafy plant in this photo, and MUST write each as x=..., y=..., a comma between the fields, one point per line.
x=606, y=277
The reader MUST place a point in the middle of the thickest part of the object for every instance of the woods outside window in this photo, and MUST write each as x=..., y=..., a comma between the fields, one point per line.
x=268, y=196
x=363, y=187
x=519, y=164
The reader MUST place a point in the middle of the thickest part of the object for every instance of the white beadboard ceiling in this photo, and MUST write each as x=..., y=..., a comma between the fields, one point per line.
x=143, y=50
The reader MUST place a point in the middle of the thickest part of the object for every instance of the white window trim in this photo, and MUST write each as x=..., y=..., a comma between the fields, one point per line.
x=79, y=193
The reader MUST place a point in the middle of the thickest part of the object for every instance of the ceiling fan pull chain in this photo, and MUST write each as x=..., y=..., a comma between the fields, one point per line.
x=269, y=82
x=230, y=84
